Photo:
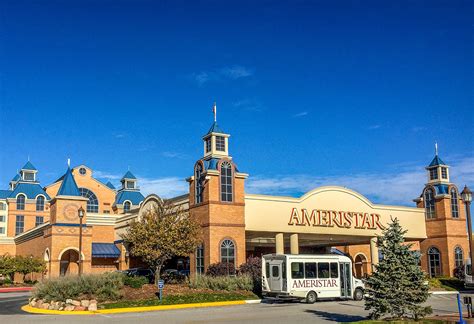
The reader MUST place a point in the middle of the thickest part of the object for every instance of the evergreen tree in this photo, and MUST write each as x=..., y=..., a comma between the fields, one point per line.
x=398, y=287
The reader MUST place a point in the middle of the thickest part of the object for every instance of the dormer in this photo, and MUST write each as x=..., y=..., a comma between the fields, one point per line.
x=438, y=171
x=28, y=172
x=129, y=181
x=14, y=181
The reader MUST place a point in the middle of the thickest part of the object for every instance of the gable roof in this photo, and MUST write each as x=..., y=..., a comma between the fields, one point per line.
x=215, y=129
x=68, y=186
x=436, y=161
x=110, y=185
x=5, y=194
x=129, y=175
x=29, y=166
x=135, y=197
x=16, y=177
x=30, y=190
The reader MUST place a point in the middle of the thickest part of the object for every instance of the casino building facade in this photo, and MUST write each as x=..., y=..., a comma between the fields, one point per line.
x=42, y=221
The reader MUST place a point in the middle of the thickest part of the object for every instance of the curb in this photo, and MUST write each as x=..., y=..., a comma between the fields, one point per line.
x=455, y=292
x=15, y=289
x=33, y=310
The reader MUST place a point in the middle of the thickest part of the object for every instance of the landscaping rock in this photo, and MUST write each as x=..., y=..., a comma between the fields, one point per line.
x=69, y=308
x=68, y=301
x=45, y=306
x=75, y=303
x=61, y=308
x=33, y=303
x=39, y=304
x=93, y=301
x=79, y=308
x=92, y=307
x=85, y=303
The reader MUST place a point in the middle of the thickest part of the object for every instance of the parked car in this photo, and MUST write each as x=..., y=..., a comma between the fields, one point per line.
x=141, y=272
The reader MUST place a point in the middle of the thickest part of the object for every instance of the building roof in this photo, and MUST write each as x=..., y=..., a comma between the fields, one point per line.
x=212, y=163
x=30, y=190
x=436, y=161
x=29, y=166
x=16, y=177
x=105, y=250
x=68, y=186
x=135, y=197
x=110, y=185
x=129, y=175
x=5, y=194
x=215, y=129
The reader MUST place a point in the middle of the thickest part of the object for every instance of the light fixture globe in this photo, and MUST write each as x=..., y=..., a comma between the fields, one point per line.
x=466, y=194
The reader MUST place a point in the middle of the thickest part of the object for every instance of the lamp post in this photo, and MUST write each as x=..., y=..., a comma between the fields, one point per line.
x=80, y=214
x=466, y=195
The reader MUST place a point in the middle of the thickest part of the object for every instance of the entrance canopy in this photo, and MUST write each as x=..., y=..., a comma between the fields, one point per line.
x=105, y=250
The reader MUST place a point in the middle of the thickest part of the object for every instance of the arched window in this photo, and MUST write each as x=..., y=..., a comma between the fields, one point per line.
x=430, y=203
x=228, y=251
x=454, y=203
x=198, y=180
x=226, y=181
x=92, y=203
x=200, y=259
x=126, y=206
x=40, y=203
x=434, y=262
x=458, y=256
x=20, y=202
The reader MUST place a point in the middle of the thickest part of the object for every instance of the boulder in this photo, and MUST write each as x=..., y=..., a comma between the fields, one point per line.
x=79, y=308
x=45, y=306
x=33, y=303
x=39, y=304
x=85, y=303
x=75, y=303
x=61, y=308
x=69, y=308
x=93, y=301
x=68, y=301
x=92, y=307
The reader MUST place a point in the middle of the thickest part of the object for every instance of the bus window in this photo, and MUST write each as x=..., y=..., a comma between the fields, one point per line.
x=267, y=269
x=297, y=271
x=323, y=270
x=275, y=271
x=310, y=270
x=334, y=270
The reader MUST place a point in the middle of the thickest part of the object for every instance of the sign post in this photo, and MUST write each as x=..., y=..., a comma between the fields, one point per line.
x=161, y=285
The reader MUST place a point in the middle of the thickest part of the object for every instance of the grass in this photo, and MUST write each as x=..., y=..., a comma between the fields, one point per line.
x=181, y=299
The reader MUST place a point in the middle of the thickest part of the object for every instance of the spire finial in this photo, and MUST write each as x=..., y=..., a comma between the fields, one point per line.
x=214, y=110
x=28, y=158
x=68, y=162
x=129, y=168
x=436, y=148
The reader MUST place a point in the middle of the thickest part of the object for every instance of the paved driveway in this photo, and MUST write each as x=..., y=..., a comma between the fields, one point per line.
x=320, y=312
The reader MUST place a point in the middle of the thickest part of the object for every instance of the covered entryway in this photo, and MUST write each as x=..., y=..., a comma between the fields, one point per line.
x=360, y=266
x=69, y=263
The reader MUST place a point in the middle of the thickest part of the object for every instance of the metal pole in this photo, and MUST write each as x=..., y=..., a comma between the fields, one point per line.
x=80, y=246
x=461, y=320
x=469, y=228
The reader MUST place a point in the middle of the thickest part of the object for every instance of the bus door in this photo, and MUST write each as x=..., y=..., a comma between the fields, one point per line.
x=345, y=273
x=276, y=275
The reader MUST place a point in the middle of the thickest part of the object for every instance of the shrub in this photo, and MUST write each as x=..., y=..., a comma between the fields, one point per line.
x=241, y=282
x=220, y=269
x=102, y=287
x=459, y=272
x=135, y=281
x=253, y=268
x=172, y=278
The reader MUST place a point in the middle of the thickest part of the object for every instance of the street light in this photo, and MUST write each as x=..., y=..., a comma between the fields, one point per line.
x=80, y=214
x=466, y=196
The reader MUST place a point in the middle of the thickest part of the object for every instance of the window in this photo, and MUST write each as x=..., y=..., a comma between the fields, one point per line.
x=20, y=202
x=2, y=218
x=39, y=220
x=198, y=181
x=275, y=271
x=3, y=206
x=310, y=270
x=2, y=230
x=220, y=143
x=267, y=269
x=297, y=270
x=126, y=207
x=82, y=171
x=40, y=203
x=200, y=259
x=444, y=173
x=226, y=181
x=228, y=251
x=106, y=211
x=208, y=145
x=92, y=203
x=29, y=176
x=458, y=256
x=434, y=174
x=334, y=270
x=19, y=224
x=130, y=184
x=434, y=262
x=429, y=204
x=323, y=270
x=454, y=203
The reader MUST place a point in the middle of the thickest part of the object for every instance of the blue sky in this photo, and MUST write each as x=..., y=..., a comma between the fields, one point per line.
x=351, y=93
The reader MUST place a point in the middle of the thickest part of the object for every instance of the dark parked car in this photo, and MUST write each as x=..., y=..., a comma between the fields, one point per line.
x=141, y=272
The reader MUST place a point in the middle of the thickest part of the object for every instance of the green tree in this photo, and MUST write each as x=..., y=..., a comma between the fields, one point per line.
x=398, y=287
x=29, y=264
x=8, y=266
x=163, y=232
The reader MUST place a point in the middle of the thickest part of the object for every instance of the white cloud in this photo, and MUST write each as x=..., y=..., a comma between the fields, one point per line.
x=176, y=155
x=249, y=105
x=300, y=114
x=106, y=175
x=233, y=72
x=164, y=187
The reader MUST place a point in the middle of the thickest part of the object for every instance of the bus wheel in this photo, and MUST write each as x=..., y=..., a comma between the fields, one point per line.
x=311, y=297
x=358, y=294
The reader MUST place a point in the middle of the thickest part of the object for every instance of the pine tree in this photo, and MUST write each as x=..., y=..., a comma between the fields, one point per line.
x=398, y=287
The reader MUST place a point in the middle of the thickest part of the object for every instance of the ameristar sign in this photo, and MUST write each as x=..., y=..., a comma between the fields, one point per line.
x=331, y=218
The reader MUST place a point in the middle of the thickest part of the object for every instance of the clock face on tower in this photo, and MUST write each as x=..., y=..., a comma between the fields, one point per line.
x=70, y=211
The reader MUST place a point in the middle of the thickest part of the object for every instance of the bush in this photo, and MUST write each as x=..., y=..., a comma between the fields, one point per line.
x=172, y=278
x=253, y=268
x=459, y=272
x=9, y=265
x=241, y=282
x=135, y=281
x=220, y=269
x=102, y=287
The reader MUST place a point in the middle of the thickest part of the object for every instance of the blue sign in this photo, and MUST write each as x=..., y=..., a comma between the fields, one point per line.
x=161, y=284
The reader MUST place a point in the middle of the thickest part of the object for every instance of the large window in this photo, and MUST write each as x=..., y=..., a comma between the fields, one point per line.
x=228, y=251
x=458, y=256
x=434, y=174
x=310, y=270
x=220, y=143
x=226, y=181
x=126, y=206
x=297, y=270
x=454, y=203
x=208, y=145
x=20, y=202
x=429, y=203
x=198, y=181
x=3, y=206
x=434, y=262
x=200, y=259
x=40, y=203
x=323, y=270
x=92, y=202
x=39, y=220
x=444, y=173
x=19, y=224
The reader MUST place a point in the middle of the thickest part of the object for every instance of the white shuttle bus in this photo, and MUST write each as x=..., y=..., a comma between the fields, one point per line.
x=309, y=277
